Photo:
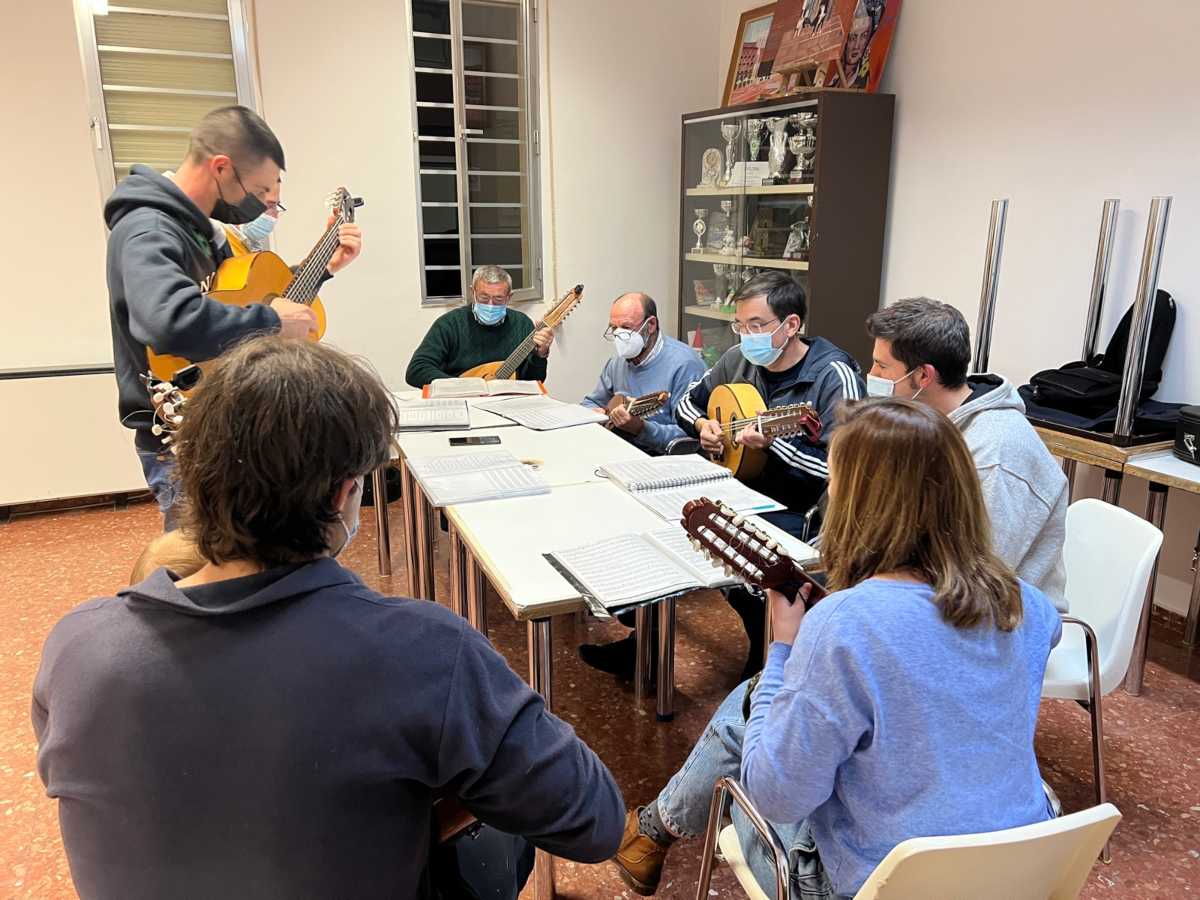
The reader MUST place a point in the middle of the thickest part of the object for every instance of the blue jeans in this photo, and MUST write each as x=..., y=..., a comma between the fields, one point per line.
x=683, y=805
x=159, y=469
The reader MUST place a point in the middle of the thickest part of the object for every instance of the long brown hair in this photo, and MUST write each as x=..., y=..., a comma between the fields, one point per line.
x=272, y=431
x=905, y=497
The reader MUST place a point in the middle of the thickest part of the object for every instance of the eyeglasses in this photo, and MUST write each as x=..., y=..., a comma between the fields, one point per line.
x=752, y=328
x=491, y=301
x=610, y=333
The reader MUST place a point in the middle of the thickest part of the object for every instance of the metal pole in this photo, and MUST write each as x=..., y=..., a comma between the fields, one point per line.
x=991, y=281
x=1143, y=312
x=1108, y=231
x=665, y=711
x=643, y=631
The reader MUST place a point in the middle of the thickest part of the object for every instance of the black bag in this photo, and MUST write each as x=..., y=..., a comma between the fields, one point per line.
x=1187, y=435
x=1089, y=387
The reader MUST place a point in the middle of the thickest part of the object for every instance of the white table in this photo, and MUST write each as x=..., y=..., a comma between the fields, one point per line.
x=562, y=457
x=1164, y=471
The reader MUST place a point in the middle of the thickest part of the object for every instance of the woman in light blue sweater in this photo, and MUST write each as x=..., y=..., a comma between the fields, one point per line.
x=904, y=703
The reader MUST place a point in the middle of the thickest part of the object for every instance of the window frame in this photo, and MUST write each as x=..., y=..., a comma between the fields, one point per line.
x=245, y=65
x=529, y=154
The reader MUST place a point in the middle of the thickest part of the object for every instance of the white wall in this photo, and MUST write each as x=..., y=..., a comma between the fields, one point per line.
x=611, y=121
x=1056, y=111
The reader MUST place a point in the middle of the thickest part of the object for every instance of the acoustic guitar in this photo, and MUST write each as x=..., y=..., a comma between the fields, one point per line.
x=261, y=277
x=640, y=407
x=745, y=551
x=739, y=406
x=508, y=367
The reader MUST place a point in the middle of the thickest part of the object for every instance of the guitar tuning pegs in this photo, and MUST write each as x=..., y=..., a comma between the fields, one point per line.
x=739, y=519
x=156, y=430
x=176, y=420
x=168, y=409
x=772, y=545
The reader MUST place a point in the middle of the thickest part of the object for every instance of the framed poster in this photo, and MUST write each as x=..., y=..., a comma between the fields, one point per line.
x=828, y=43
x=747, y=74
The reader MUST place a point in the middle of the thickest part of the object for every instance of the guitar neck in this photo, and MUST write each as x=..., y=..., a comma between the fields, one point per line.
x=517, y=358
x=303, y=286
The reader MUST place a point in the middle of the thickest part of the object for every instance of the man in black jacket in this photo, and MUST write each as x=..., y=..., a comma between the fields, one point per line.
x=162, y=255
x=270, y=727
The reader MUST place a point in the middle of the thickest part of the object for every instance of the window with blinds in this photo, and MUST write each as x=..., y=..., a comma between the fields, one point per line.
x=477, y=143
x=154, y=69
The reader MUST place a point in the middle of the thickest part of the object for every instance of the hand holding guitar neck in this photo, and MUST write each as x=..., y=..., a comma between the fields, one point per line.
x=746, y=551
x=629, y=414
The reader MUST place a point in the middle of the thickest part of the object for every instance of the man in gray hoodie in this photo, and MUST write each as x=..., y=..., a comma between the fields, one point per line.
x=922, y=350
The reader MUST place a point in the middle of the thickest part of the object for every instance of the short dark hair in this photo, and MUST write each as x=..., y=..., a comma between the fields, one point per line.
x=921, y=330
x=236, y=132
x=785, y=294
x=271, y=432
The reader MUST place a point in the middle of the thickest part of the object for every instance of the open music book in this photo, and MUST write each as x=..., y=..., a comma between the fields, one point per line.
x=665, y=483
x=478, y=387
x=470, y=477
x=632, y=568
x=433, y=415
x=543, y=413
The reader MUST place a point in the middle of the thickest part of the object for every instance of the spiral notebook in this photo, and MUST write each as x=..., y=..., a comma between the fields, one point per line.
x=664, y=484
x=471, y=477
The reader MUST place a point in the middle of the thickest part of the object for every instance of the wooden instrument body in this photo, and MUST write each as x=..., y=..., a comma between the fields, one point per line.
x=726, y=403
x=240, y=281
x=642, y=407
x=486, y=371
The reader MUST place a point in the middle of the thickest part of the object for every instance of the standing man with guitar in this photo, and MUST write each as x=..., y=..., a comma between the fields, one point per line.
x=785, y=369
x=474, y=335
x=645, y=361
x=162, y=255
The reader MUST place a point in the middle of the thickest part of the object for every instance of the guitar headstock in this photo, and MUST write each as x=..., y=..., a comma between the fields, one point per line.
x=168, y=401
x=564, y=307
x=648, y=404
x=744, y=550
x=340, y=202
x=796, y=418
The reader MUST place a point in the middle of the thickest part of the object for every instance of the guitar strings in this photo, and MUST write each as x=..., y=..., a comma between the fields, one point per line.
x=304, y=284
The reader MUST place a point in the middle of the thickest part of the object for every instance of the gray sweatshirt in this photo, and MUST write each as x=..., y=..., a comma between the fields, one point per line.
x=1024, y=488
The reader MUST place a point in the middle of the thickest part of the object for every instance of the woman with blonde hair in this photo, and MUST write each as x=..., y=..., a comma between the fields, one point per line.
x=904, y=703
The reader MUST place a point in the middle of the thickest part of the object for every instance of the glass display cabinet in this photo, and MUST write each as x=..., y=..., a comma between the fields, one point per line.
x=798, y=184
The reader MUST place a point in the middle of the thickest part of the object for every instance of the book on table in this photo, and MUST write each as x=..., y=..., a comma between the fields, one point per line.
x=433, y=415
x=543, y=413
x=472, y=477
x=664, y=484
x=441, y=388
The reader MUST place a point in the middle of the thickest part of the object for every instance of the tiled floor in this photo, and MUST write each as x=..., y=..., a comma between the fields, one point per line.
x=50, y=563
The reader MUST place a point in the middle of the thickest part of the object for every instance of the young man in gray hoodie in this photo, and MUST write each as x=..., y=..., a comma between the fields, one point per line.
x=922, y=350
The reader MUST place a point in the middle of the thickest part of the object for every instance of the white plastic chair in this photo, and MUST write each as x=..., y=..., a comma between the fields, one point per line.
x=1047, y=861
x=1109, y=557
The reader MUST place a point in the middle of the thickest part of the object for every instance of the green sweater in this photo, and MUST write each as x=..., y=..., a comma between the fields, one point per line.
x=457, y=342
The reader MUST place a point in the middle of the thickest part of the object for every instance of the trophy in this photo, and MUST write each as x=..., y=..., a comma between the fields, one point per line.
x=727, y=246
x=796, y=148
x=720, y=269
x=730, y=131
x=807, y=129
x=754, y=137
x=778, y=127
x=710, y=170
x=698, y=228
x=797, y=242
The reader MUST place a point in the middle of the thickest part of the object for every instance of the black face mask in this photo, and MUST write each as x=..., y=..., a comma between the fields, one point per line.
x=246, y=210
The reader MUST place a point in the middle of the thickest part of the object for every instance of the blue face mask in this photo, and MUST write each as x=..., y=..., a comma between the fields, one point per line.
x=490, y=315
x=757, y=348
x=259, y=230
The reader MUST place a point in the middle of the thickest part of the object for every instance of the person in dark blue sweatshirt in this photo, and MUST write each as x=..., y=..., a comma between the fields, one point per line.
x=901, y=705
x=269, y=727
x=162, y=255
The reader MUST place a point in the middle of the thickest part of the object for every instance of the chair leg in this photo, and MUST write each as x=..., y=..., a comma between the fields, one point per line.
x=1094, y=705
x=716, y=813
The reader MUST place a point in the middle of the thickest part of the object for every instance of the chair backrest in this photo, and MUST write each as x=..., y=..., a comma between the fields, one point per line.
x=1109, y=557
x=1047, y=861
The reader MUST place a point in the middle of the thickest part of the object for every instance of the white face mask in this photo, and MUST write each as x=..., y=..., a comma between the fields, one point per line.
x=881, y=387
x=351, y=530
x=628, y=344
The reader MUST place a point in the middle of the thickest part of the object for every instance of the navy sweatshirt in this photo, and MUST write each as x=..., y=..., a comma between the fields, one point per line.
x=285, y=740
x=160, y=253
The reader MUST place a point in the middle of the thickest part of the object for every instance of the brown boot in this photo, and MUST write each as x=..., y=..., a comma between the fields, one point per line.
x=639, y=859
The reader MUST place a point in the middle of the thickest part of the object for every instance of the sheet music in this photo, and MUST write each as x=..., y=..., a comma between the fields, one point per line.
x=625, y=569
x=433, y=415
x=664, y=472
x=669, y=503
x=498, y=388
x=543, y=413
x=674, y=541
x=459, y=463
x=468, y=477
x=457, y=387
